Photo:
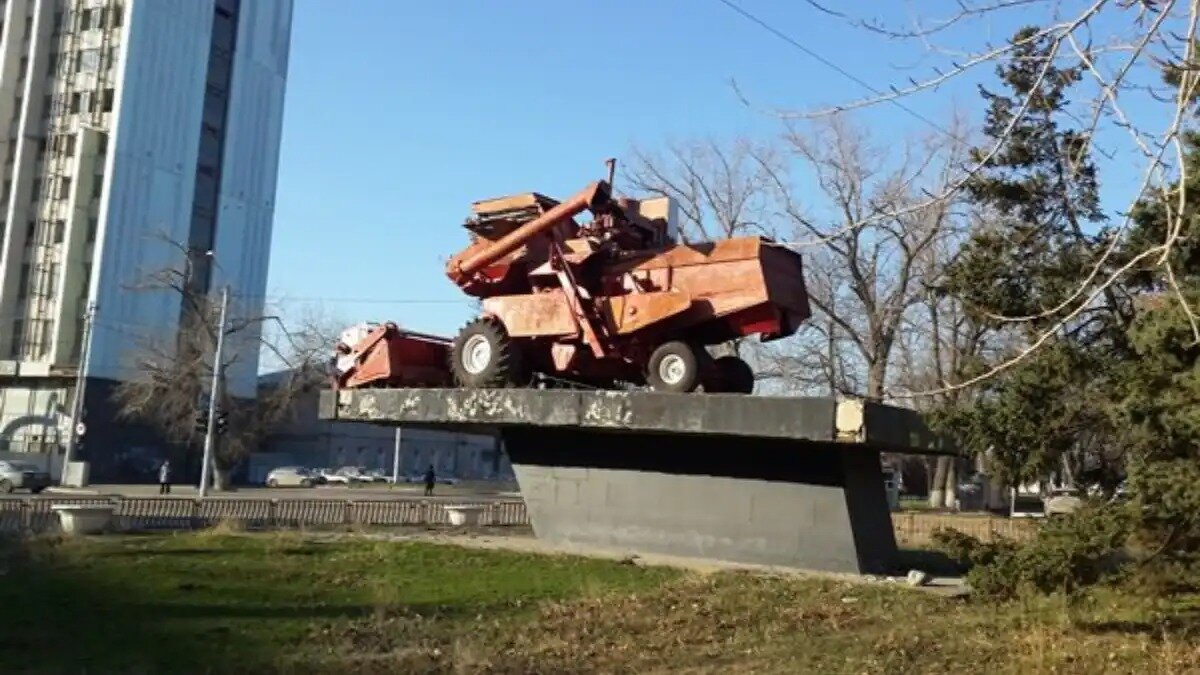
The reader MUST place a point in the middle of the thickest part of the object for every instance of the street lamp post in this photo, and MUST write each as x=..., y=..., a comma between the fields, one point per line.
x=210, y=431
x=80, y=386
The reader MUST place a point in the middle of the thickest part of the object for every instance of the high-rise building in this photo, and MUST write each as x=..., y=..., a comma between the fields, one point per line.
x=131, y=131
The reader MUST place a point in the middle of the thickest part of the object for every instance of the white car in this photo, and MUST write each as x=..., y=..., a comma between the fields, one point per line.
x=290, y=476
x=355, y=474
x=1062, y=501
x=334, y=478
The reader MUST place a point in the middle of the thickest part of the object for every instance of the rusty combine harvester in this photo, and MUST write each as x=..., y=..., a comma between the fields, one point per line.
x=613, y=301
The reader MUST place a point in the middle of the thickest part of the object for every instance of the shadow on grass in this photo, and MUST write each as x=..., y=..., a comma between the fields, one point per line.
x=65, y=611
x=933, y=562
x=1180, y=624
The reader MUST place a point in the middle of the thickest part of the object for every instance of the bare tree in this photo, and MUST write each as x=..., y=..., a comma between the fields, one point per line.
x=869, y=277
x=863, y=280
x=171, y=376
x=1123, y=48
x=721, y=188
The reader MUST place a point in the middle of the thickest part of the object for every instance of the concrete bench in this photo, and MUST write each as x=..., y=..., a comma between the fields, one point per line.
x=84, y=518
x=463, y=514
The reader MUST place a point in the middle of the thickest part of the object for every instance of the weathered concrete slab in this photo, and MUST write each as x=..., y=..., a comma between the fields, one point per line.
x=810, y=419
x=755, y=501
x=779, y=481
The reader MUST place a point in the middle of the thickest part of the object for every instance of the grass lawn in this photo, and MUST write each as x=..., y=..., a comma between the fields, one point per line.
x=212, y=602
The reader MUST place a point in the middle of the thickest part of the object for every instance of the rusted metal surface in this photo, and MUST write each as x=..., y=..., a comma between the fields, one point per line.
x=592, y=303
x=391, y=357
x=460, y=269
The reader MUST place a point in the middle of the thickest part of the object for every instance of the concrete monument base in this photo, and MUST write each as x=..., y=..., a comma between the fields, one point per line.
x=744, y=500
x=794, y=482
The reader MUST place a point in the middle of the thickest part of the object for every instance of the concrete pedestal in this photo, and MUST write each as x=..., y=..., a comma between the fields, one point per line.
x=813, y=506
x=794, y=482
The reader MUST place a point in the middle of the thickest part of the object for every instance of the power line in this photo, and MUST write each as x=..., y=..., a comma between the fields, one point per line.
x=833, y=66
x=370, y=301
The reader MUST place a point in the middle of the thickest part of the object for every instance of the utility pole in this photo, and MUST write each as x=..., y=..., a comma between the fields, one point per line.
x=89, y=317
x=396, y=459
x=213, y=397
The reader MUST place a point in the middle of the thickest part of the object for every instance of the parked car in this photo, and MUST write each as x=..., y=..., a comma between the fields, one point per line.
x=15, y=474
x=333, y=477
x=355, y=474
x=1062, y=501
x=290, y=476
x=378, y=476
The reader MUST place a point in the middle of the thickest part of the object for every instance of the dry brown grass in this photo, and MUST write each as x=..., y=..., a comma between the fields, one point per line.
x=734, y=622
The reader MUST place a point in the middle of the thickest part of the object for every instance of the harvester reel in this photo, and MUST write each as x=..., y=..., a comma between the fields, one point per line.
x=484, y=356
x=673, y=367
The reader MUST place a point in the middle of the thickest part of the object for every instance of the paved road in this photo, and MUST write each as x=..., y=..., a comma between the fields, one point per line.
x=474, y=491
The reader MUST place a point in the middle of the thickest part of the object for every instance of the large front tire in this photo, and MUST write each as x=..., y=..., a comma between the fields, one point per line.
x=673, y=367
x=483, y=356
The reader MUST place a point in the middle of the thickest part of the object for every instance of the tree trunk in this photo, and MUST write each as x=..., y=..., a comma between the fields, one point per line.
x=937, y=488
x=221, y=479
x=951, y=483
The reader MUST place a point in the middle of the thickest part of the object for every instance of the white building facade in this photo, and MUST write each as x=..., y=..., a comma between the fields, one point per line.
x=130, y=129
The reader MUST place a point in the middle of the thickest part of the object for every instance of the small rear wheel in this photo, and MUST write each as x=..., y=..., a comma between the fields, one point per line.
x=272, y=483
x=6, y=487
x=673, y=367
x=484, y=356
x=735, y=374
x=306, y=483
x=37, y=490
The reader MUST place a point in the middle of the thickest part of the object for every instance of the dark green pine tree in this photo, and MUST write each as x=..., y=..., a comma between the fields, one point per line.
x=1038, y=195
x=1040, y=233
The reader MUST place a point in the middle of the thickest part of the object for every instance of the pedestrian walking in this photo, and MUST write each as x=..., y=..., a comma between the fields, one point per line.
x=164, y=478
x=430, y=481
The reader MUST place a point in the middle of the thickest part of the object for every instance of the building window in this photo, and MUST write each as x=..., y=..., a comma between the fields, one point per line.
x=64, y=187
x=93, y=225
x=106, y=100
x=52, y=64
x=23, y=283
x=65, y=144
x=89, y=61
x=17, y=338
x=60, y=231
x=97, y=187
x=76, y=102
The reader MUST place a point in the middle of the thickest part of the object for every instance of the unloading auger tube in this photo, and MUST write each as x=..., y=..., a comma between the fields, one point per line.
x=594, y=197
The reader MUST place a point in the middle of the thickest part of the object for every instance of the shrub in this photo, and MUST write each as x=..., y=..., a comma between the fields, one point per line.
x=1068, y=553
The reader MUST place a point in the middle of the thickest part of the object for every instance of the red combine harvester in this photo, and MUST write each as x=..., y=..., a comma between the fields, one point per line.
x=613, y=301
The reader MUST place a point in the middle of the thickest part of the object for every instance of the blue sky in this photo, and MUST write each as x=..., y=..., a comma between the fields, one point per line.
x=401, y=113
